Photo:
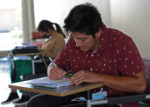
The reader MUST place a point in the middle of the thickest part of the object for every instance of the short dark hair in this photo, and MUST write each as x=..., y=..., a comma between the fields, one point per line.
x=45, y=25
x=84, y=18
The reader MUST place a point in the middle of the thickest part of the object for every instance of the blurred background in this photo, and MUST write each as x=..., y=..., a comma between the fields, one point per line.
x=19, y=18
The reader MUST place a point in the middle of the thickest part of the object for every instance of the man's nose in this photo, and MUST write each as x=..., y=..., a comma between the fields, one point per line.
x=78, y=43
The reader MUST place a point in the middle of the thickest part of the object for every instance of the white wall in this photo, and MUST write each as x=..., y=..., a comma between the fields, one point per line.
x=57, y=10
x=10, y=18
x=133, y=18
x=7, y=23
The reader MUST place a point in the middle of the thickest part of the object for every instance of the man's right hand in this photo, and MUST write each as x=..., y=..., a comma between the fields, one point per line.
x=55, y=73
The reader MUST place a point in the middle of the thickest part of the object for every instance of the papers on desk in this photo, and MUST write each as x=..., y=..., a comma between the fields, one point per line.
x=46, y=82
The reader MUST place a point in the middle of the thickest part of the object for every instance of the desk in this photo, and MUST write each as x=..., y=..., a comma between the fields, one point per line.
x=68, y=90
x=60, y=92
x=64, y=91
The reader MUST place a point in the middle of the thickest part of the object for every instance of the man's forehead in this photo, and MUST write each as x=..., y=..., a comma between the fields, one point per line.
x=80, y=35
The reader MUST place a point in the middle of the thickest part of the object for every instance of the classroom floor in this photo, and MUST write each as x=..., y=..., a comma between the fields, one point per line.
x=4, y=81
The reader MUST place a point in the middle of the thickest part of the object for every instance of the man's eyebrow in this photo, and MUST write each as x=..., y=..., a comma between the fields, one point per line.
x=79, y=37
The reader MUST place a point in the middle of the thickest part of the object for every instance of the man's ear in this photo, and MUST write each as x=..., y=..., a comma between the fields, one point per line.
x=98, y=34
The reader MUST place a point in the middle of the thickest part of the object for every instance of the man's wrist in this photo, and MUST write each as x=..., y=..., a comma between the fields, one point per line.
x=100, y=79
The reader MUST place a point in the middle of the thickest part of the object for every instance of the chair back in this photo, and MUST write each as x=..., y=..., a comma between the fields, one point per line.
x=147, y=70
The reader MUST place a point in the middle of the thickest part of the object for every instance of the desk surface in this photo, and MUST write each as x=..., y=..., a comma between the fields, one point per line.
x=62, y=91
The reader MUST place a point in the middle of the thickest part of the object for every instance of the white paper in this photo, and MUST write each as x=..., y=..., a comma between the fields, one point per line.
x=46, y=82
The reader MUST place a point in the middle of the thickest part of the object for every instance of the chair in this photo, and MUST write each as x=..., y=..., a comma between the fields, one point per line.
x=147, y=70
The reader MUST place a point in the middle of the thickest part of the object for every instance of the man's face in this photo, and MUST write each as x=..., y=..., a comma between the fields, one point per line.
x=85, y=42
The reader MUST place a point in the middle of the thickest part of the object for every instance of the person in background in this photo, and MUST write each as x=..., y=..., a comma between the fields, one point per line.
x=95, y=54
x=54, y=43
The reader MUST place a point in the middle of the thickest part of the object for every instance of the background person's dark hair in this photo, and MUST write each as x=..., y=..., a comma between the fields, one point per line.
x=45, y=25
x=84, y=18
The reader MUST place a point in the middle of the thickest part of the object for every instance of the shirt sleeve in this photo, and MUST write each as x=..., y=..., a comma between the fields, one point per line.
x=129, y=59
x=62, y=60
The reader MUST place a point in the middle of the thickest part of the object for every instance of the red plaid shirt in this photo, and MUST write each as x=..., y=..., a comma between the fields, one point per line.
x=116, y=55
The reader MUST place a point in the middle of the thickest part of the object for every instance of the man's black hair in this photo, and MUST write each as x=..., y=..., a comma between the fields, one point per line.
x=84, y=18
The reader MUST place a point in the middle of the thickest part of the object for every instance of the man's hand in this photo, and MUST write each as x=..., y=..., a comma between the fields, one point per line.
x=55, y=73
x=84, y=76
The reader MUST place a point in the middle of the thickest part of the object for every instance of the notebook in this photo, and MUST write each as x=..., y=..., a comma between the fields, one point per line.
x=46, y=82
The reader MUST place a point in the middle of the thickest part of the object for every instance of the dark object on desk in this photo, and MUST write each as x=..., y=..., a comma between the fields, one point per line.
x=25, y=49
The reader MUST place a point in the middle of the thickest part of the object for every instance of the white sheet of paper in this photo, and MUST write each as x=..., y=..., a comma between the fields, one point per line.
x=46, y=82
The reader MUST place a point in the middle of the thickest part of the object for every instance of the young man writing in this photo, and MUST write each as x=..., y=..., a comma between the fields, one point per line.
x=96, y=53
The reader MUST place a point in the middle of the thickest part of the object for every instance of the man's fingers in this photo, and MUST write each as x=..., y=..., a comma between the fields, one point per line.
x=78, y=75
x=78, y=81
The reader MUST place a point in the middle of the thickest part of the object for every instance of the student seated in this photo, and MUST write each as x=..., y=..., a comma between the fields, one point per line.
x=55, y=38
x=54, y=42
x=95, y=54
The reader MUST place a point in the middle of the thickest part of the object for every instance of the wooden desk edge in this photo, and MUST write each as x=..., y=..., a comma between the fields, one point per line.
x=34, y=90
x=86, y=88
x=60, y=94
